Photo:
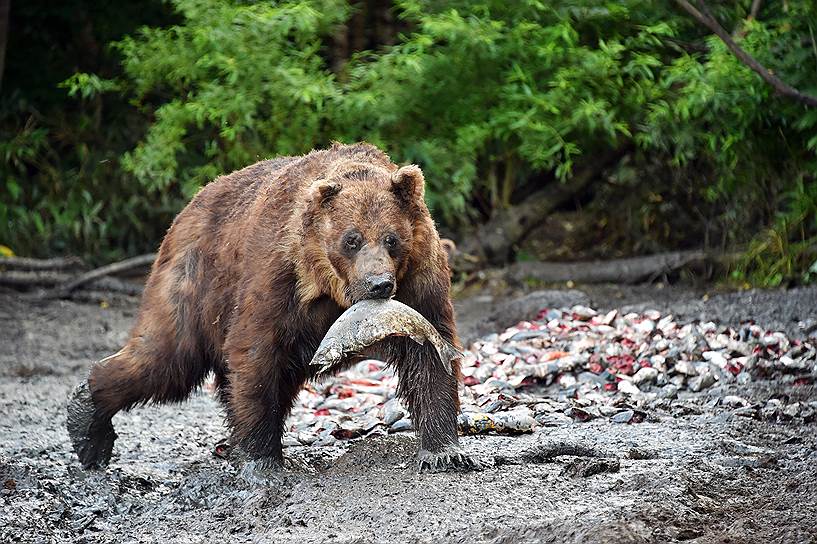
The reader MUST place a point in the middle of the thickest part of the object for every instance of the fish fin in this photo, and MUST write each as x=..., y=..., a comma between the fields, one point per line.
x=342, y=360
x=419, y=339
x=448, y=354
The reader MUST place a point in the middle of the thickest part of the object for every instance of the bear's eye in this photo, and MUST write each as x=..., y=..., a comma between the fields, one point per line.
x=352, y=241
x=390, y=241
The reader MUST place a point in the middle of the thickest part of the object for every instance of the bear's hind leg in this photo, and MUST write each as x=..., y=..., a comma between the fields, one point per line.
x=167, y=356
x=145, y=371
x=139, y=373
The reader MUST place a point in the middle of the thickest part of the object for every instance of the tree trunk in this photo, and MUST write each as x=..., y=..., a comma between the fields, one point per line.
x=385, y=29
x=494, y=241
x=5, y=6
x=755, y=9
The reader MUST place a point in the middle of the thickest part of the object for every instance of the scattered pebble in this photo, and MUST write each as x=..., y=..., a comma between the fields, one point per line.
x=645, y=375
x=623, y=417
x=402, y=425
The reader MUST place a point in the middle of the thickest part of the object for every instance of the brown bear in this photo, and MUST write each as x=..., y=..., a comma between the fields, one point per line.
x=249, y=278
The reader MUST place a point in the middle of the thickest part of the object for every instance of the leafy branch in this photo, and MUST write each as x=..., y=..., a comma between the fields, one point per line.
x=704, y=17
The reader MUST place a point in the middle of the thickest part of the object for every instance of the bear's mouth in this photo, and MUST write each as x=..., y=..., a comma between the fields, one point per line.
x=362, y=290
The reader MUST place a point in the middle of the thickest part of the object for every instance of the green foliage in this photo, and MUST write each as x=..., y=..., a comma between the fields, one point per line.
x=483, y=94
x=787, y=249
x=57, y=200
x=87, y=85
x=493, y=99
x=61, y=187
x=233, y=84
x=762, y=148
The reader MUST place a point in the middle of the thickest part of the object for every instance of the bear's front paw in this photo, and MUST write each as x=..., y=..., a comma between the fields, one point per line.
x=265, y=470
x=449, y=459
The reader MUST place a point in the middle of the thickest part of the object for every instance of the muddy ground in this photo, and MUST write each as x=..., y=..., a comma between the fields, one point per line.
x=704, y=475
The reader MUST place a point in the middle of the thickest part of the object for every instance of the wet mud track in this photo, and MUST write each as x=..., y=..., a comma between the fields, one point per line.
x=704, y=475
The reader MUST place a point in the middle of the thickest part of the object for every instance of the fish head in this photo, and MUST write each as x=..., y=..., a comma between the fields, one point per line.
x=327, y=358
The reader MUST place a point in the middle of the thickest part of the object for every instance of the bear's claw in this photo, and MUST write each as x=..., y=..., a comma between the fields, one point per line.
x=91, y=437
x=263, y=471
x=450, y=459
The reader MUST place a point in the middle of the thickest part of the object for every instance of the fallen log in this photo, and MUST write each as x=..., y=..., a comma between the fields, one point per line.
x=28, y=279
x=28, y=263
x=629, y=270
x=47, y=279
x=52, y=274
x=65, y=288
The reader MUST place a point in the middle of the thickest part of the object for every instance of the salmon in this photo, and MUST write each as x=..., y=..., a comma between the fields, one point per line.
x=370, y=321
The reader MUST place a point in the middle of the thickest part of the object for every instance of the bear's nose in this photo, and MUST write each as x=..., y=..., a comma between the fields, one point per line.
x=380, y=286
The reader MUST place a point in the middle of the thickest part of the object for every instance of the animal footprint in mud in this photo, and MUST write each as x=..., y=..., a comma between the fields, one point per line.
x=586, y=461
x=585, y=467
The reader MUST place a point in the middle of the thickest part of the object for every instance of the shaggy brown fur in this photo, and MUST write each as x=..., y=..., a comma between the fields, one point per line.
x=257, y=267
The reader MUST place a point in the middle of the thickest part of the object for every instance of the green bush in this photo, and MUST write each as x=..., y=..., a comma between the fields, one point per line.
x=62, y=190
x=235, y=83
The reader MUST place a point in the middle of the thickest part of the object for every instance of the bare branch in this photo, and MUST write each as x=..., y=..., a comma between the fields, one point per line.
x=755, y=8
x=780, y=86
x=114, y=268
x=27, y=263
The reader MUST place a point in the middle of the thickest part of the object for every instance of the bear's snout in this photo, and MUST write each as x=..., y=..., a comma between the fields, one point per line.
x=379, y=286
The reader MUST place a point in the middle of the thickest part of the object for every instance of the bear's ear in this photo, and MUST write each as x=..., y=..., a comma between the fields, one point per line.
x=323, y=190
x=408, y=184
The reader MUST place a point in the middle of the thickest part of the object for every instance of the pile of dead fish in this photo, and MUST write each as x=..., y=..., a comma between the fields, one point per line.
x=574, y=364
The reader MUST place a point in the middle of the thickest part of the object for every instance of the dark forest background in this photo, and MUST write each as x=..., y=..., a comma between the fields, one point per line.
x=576, y=129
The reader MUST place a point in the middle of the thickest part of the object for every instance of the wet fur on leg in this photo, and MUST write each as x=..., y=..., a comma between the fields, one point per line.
x=92, y=434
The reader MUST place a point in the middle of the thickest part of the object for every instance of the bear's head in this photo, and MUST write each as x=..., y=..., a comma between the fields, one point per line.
x=363, y=226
